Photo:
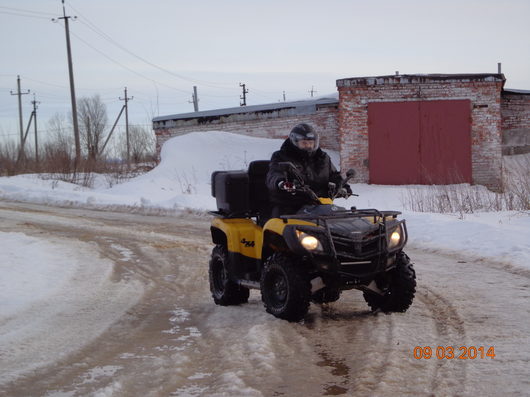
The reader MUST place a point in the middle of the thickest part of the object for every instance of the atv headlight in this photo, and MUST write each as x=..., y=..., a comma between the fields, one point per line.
x=309, y=242
x=395, y=237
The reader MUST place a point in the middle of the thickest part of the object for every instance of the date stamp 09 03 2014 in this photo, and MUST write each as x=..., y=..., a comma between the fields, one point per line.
x=450, y=352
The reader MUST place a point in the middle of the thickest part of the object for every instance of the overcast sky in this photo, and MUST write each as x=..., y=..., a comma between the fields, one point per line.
x=160, y=49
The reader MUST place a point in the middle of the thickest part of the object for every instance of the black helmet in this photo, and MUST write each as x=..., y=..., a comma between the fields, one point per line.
x=301, y=136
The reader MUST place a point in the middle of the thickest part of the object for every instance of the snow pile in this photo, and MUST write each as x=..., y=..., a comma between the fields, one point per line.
x=182, y=180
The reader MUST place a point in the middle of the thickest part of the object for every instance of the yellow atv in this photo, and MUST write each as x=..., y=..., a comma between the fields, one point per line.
x=309, y=256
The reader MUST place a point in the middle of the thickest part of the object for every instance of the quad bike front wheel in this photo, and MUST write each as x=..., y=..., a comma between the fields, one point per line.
x=285, y=288
x=225, y=292
x=398, y=286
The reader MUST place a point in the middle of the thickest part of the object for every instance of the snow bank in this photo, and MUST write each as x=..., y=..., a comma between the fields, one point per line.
x=182, y=180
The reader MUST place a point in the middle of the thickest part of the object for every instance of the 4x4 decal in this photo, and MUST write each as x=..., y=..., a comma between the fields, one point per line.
x=248, y=243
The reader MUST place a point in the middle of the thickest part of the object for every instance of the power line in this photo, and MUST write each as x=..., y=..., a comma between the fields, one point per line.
x=22, y=15
x=125, y=67
x=97, y=30
x=85, y=21
x=10, y=134
x=109, y=39
x=59, y=85
x=42, y=82
x=27, y=11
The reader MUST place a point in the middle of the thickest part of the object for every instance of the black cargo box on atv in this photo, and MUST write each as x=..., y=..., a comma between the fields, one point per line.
x=243, y=193
x=230, y=189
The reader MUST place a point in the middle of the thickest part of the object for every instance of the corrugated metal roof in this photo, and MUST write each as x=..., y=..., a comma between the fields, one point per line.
x=251, y=109
x=519, y=92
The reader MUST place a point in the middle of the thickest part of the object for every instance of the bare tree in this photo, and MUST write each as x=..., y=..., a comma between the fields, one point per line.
x=59, y=150
x=141, y=143
x=93, y=119
x=61, y=134
x=8, y=155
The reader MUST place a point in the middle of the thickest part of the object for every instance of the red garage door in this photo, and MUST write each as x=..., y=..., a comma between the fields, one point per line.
x=421, y=142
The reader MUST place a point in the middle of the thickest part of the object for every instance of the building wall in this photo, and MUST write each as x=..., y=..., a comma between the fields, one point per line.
x=270, y=125
x=515, y=111
x=344, y=126
x=355, y=94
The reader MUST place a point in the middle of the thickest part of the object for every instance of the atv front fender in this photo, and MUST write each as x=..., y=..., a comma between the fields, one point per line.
x=241, y=236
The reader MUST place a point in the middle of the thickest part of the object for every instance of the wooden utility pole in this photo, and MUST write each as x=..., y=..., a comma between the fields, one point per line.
x=21, y=153
x=195, y=99
x=244, y=97
x=72, y=88
x=312, y=91
x=21, y=123
x=127, y=99
x=34, y=102
x=111, y=131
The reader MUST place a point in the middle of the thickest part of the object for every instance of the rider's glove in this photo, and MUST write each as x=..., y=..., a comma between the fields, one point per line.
x=342, y=192
x=345, y=191
x=287, y=186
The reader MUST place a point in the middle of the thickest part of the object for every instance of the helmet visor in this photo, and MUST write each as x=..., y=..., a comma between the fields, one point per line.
x=307, y=143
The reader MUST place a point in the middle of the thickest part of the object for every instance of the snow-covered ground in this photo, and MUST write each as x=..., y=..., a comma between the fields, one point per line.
x=182, y=180
x=46, y=279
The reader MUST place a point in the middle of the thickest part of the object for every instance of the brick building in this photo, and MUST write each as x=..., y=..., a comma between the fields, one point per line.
x=267, y=121
x=402, y=129
x=515, y=111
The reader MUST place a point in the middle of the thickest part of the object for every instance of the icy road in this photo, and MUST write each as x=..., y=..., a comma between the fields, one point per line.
x=146, y=326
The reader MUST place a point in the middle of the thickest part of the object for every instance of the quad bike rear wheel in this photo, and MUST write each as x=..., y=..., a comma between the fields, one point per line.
x=285, y=288
x=398, y=286
x=225, y=292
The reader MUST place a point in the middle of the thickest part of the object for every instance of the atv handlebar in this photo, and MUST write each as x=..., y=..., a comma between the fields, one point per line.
x=342, y=191
x=300, y=187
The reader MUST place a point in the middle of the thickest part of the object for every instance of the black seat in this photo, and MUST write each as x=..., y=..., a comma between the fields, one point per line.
x=258, y=191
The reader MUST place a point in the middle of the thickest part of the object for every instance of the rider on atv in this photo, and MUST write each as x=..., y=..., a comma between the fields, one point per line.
x=302, y=149
x=310, y=250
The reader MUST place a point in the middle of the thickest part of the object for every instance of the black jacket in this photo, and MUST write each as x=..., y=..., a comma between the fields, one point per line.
x=317, y=169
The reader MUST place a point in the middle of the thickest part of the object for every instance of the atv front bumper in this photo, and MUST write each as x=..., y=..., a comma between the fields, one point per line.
x=352, y=246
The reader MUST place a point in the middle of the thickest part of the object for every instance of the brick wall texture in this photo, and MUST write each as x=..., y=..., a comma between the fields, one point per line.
x=515, y=111
x=485, y=98
x=275, y=126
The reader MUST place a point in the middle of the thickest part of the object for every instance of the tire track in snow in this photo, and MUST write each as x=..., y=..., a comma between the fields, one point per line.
x=177, y=342
x=354, y=344
x=148, y=333
x=448, y=374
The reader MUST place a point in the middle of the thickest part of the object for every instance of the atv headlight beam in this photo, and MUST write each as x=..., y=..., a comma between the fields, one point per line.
x=309, y=242
x=395, y=237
